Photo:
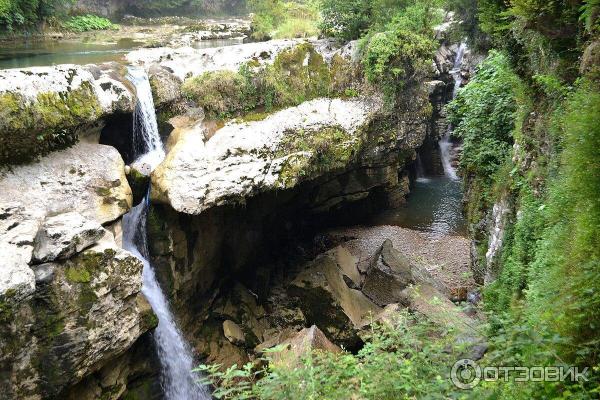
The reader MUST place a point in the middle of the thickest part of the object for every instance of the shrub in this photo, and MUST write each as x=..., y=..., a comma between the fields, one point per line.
x=483, y=115
x=84, y=23
x=277, y=19
x=25, y=13
x=395, y=56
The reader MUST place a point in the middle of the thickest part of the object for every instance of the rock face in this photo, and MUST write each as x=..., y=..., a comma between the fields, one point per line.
x=84, y=312
x=64, y=235
x=43, y=109
x=328, y=302
x=243, y=159
x=387, y=276
x=87, y=179
x=185, y=62
x=66, y=309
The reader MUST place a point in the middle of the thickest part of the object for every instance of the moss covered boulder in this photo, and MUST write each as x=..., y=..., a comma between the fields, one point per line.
x=44, y=109
x=84, y=312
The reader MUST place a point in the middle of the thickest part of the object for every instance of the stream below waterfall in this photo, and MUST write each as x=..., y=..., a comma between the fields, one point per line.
x=175, y=355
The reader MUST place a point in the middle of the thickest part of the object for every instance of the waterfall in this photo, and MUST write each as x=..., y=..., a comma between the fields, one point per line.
x=420, y=170
x=178, y=380
x=446, y=142
x=148, y=148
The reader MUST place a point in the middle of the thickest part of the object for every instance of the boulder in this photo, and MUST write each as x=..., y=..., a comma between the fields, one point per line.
x=388, y=274
x=43, y=109
x=301, y=345
x=84, y=312
x=166, y=87
x=243, y=159
x=233, y=332
x=86, y=179
x=426, y=300
x=326, y=300
x=64, y=235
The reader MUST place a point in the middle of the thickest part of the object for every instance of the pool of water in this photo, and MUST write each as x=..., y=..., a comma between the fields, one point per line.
x=43, y=53
x=434, y=206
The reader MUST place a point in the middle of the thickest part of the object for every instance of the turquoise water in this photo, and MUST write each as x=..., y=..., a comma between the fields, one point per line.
x=434, y=206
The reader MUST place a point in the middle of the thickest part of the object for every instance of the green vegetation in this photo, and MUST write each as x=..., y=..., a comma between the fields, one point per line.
x=36, y=128
x=16, y=14
x=529, y=121
x=277, y=19
x=84, y=23
x=289, y=81
x=415, y=349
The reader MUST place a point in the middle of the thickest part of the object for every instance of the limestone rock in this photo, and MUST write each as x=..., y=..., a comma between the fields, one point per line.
x=84, y=312
x=188, y=61
x=87, y=179
x=64, y=235
x=243, y=159
x=301, y=344
x=387, y=276
x=328, y=302
x=44, y=108
x=165, y=86
x=233, y=332
x=428, y=301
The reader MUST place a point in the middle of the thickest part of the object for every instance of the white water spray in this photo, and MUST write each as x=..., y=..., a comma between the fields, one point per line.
x=178, y=380
x=446, y=143
x=147, y=145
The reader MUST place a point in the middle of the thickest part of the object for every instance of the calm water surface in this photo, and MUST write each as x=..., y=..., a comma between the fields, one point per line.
x=434, y=206
x=54, y=52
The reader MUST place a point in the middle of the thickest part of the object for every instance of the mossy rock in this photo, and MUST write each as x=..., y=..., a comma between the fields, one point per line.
x=313, y=152
x=33, y=128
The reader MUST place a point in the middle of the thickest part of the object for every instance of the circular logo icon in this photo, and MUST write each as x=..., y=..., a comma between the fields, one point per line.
x=465, y=374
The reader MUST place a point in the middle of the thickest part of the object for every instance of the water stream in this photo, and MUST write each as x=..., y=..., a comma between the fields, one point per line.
x=446, y=141
x=177, y=379
x=434, y=205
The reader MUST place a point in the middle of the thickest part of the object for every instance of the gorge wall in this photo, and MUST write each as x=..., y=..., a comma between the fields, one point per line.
x=225, y=202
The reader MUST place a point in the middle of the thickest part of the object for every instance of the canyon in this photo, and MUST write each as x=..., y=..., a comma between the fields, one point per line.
x=141, y=236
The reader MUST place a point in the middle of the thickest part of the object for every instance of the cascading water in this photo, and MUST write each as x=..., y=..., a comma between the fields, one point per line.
x=147, y=146
x=446, y=142
x=178, y=380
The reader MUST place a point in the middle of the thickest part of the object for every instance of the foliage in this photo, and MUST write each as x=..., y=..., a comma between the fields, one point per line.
x=84, y=23
x=566, y=270
x=222, y=94
x=26, y=13
x=483, y=116
x=277, y=19
x=348, y=20
x=414, y=354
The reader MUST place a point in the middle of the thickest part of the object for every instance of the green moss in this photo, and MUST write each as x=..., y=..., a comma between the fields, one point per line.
x=222, y=94
x=33, y=128
x=78, y=274
x=149, y=320
x=313, y=152
x=297, y=74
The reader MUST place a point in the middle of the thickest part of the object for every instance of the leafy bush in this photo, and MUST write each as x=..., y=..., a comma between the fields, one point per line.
x=483, y=115
x=84, y=23
x=409, y=359
x=24, y=13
